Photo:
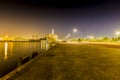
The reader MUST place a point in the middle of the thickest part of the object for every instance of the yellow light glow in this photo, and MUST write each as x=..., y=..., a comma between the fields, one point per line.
x=1, y=38
x=6, y=36
x=117, y=33
x=74, y=30
x=90, y=37
x=6, y=48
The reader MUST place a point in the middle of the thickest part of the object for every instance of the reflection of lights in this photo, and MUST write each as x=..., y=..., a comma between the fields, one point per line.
x=11, y=48
x=6, y=48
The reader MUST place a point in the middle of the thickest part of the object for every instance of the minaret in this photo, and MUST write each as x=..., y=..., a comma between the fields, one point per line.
x=52, y=31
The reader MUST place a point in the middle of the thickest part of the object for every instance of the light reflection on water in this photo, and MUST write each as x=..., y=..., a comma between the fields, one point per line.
x=10, y=52
x=16, y=49
x=6, y=49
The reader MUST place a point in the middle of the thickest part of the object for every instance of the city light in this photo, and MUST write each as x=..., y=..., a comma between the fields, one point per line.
x=117, y=33
x=68, y=35
x=90, y=37
x=1, y=38
x=75, y=30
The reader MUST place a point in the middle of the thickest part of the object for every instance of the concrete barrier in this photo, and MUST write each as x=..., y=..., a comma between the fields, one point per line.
x=34, y=54
x=24, y=59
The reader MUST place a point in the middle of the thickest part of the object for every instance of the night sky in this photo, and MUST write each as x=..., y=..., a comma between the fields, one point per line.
x=90, y=17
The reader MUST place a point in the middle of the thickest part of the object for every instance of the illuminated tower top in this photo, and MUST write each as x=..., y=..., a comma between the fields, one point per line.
x=52, y=31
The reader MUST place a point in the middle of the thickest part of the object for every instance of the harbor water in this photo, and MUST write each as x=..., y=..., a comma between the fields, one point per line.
x=10, y=52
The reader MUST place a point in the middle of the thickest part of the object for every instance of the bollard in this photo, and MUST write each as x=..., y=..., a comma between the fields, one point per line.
x=34, y=54
x=19, y=61
x=23, y=60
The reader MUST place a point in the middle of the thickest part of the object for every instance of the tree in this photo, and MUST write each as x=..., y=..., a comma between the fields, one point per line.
x=105, y=38
x=79, y=40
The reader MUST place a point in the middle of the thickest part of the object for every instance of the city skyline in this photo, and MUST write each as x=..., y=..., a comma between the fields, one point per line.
x=95, y=17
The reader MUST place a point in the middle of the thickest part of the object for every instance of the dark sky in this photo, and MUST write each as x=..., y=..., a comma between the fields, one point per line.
x=90, y=17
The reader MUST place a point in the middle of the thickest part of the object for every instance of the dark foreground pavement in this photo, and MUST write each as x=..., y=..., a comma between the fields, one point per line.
x=76, y=62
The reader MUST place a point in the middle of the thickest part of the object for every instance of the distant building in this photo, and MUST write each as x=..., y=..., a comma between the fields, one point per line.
x=35, y=38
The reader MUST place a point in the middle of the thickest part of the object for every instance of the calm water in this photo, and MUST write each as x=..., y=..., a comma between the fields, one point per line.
x=10, y=52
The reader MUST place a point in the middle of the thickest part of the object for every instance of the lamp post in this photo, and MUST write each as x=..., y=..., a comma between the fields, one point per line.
x=117, y=33
x=74, y=31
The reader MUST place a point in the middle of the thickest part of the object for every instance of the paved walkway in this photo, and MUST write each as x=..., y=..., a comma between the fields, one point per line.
x=76, y=62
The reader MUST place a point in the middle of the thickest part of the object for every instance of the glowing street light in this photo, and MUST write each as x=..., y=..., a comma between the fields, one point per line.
x=117, y=33
x=75, y=30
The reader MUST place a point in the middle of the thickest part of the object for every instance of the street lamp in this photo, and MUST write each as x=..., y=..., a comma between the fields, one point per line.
x=117, y=33
x=74, y=31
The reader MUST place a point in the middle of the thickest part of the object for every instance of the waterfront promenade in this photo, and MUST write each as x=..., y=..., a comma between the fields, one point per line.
x=81, y=61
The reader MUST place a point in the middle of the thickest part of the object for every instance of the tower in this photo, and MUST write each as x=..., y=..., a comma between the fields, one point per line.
x=52, y=31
